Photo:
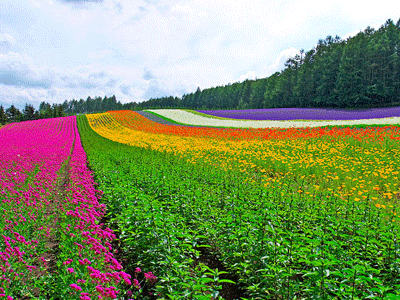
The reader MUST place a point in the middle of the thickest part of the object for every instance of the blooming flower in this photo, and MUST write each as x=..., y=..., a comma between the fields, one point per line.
x=68, y=261
x=150, y=277
x=76, y=287
x=136, y=284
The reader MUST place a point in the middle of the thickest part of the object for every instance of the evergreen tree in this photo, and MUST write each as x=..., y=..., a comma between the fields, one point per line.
x=29, y=112
x=352, y=69
x=245, y=95
x=257, y=94
x=304, y=90
x=328, y=65
x=45, y=110
x=270, y=100
x=13, y=114
x=197, y=98
x=3, y=117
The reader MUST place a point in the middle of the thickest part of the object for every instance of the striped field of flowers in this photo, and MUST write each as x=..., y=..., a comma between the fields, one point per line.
x=200, y=119
x=352, y=162
x=291, y=213
x=294, y=213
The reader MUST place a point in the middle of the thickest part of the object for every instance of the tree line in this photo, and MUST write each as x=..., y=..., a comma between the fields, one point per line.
x=360, y=72
x=92, y=105
x=99, y=104
x=46, y=110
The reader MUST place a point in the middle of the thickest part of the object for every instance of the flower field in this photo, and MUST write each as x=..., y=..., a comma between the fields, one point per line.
x=115, y=206
x=305, y=114
x=297, y=213
x=275, y=118
x=53, y=245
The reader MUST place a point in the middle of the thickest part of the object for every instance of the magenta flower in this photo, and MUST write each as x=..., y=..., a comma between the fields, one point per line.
x=68, y=261
x=99, y=289
x=84, y=296
x=71, y=270
x=76, y=287
x=84, y=262
x=30, y=268
x=150, y=277
x=136, y=284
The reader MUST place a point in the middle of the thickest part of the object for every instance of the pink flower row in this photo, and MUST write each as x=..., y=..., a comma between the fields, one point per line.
x=91, y=263
x=31, y=155
x=37, y=208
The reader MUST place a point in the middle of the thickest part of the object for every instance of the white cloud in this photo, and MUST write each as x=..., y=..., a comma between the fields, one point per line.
x=136, y=49
x=21, y=80
x=20, y=70
x=279, y=62
x=355, y=32
x=20, y=96
x=6, y=40
x=99, y=54
x=249, y=75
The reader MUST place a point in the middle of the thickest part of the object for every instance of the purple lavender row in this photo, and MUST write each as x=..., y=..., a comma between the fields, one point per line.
x=305, y=113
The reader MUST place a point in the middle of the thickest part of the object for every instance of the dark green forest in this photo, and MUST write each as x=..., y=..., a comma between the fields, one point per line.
x=98, y=104
x=360, y=72
x=46, y=110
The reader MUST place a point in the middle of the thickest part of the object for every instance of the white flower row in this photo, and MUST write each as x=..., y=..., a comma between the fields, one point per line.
x=189, y=118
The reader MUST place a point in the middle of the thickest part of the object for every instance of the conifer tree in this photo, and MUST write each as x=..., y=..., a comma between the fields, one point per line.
x=3, y=117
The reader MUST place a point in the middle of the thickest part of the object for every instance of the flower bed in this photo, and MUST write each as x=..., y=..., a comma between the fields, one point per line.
x=193, y=118
x=53, y=242
x=305, y=114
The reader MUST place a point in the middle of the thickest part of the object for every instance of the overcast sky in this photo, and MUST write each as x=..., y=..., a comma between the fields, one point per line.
x=52, y=50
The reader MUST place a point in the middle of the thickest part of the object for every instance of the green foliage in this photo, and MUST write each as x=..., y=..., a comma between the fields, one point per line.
x=13, y=114
x=46, y=110
x=90, y=105
x=153, y=233
x=3, y=117
x=280, y=243
x=99, y=104
x=29, y=113
x=360, y=72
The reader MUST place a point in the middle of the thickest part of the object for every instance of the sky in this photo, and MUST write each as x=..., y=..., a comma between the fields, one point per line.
x=56, y=50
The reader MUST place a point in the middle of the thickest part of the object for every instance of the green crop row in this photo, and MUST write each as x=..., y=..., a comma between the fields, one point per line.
x=153, y=234
x=279, y=244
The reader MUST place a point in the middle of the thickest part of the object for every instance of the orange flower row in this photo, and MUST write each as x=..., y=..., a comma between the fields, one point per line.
x=136, y=121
